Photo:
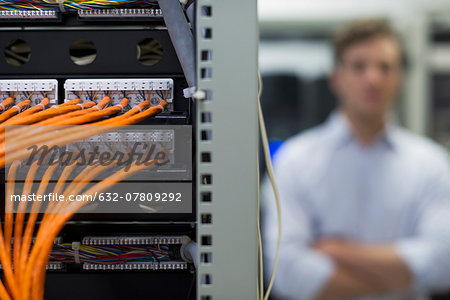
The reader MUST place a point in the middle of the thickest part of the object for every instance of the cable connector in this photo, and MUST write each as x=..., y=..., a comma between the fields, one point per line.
x=190, y=92
x=188, y=250
x=61, y=5
x=76, y=251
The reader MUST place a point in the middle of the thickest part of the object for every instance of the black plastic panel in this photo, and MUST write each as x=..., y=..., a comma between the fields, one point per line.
x=116, y=52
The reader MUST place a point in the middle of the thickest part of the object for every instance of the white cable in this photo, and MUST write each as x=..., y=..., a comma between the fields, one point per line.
x=81, y=105
x=140, y=109
x=2, y=106
x=259, y=254
x=265, y=143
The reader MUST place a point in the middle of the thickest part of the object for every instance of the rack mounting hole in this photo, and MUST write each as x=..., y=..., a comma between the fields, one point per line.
x=17, y=52
x=83, y=52
x=149, y=52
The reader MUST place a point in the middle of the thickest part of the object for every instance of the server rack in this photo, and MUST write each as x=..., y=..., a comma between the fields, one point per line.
x=223, y=116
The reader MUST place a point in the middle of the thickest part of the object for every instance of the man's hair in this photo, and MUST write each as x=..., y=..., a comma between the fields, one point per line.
x=363, y=30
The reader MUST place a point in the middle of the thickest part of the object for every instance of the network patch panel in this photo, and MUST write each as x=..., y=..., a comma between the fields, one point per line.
x=122, y=253
x=28, y=14
x=121, y=13
x=136, y=90
x=172, y=243
x=147, y=266
x=51, y=266
x=55, y=266
x=132, y=240
x=35, y=90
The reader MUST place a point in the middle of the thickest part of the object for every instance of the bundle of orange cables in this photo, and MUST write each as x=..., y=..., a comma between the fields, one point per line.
x=24, y=260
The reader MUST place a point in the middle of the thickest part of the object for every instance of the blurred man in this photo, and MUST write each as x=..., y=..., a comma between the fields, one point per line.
x=365, y=204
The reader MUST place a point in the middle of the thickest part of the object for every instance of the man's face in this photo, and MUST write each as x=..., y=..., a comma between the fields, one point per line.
x=369, y=76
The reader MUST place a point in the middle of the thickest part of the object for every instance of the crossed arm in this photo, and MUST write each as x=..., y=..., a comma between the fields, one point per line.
x=333, y=268
x=362, y=270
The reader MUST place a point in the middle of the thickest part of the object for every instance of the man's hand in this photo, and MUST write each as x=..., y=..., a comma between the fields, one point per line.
x=377, y=265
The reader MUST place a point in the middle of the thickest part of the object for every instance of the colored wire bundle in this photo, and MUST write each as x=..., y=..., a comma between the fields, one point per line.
x=110, y=254
x=74, y=4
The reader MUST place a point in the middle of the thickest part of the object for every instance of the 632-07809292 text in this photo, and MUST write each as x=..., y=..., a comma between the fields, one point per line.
x=103, y=197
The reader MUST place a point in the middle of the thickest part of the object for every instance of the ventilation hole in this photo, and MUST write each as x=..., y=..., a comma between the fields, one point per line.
x=208, y=95
x=205, y=297
x=206, y=196
x=206, y=55
x=206, y=240
x=206, y=73
x=206, y=157
x=206, y=179
x=206, y=11
x=207, y=33
x=206, y=257
x=206, y=279
x=206, y=135
x=206, y=219
x=17, y=53
x=149, y=52
x=206, y=117
x=83, y=52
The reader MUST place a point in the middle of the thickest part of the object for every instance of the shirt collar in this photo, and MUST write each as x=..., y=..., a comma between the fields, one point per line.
x=341, y=132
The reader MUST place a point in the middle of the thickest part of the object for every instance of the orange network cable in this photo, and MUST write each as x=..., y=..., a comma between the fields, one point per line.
x=72, y=134
x=84, y=177
x=15, y=122
x=20, y=216
x=58, y=189
x=39, y=256
x=9, y=216
x=34, y=109
x=154, y=110
x=20, y=262
x=22, y=133
x=7, y=270
x=93, y=116
x=55, y=120
x=50, y=112
x=75, y=188
x=71, y=102
x=19, y=150
x=63, y=137
x=136, y=109
x=72, y=118
x=29, y=230
x=37, y=108
x=142, y=115
x=15, y=110
x=42, y=115
x=6, y=104
x=5, y=244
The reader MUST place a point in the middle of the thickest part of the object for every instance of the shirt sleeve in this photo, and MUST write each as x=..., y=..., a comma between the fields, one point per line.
x=427, y=253
x=302, y=271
